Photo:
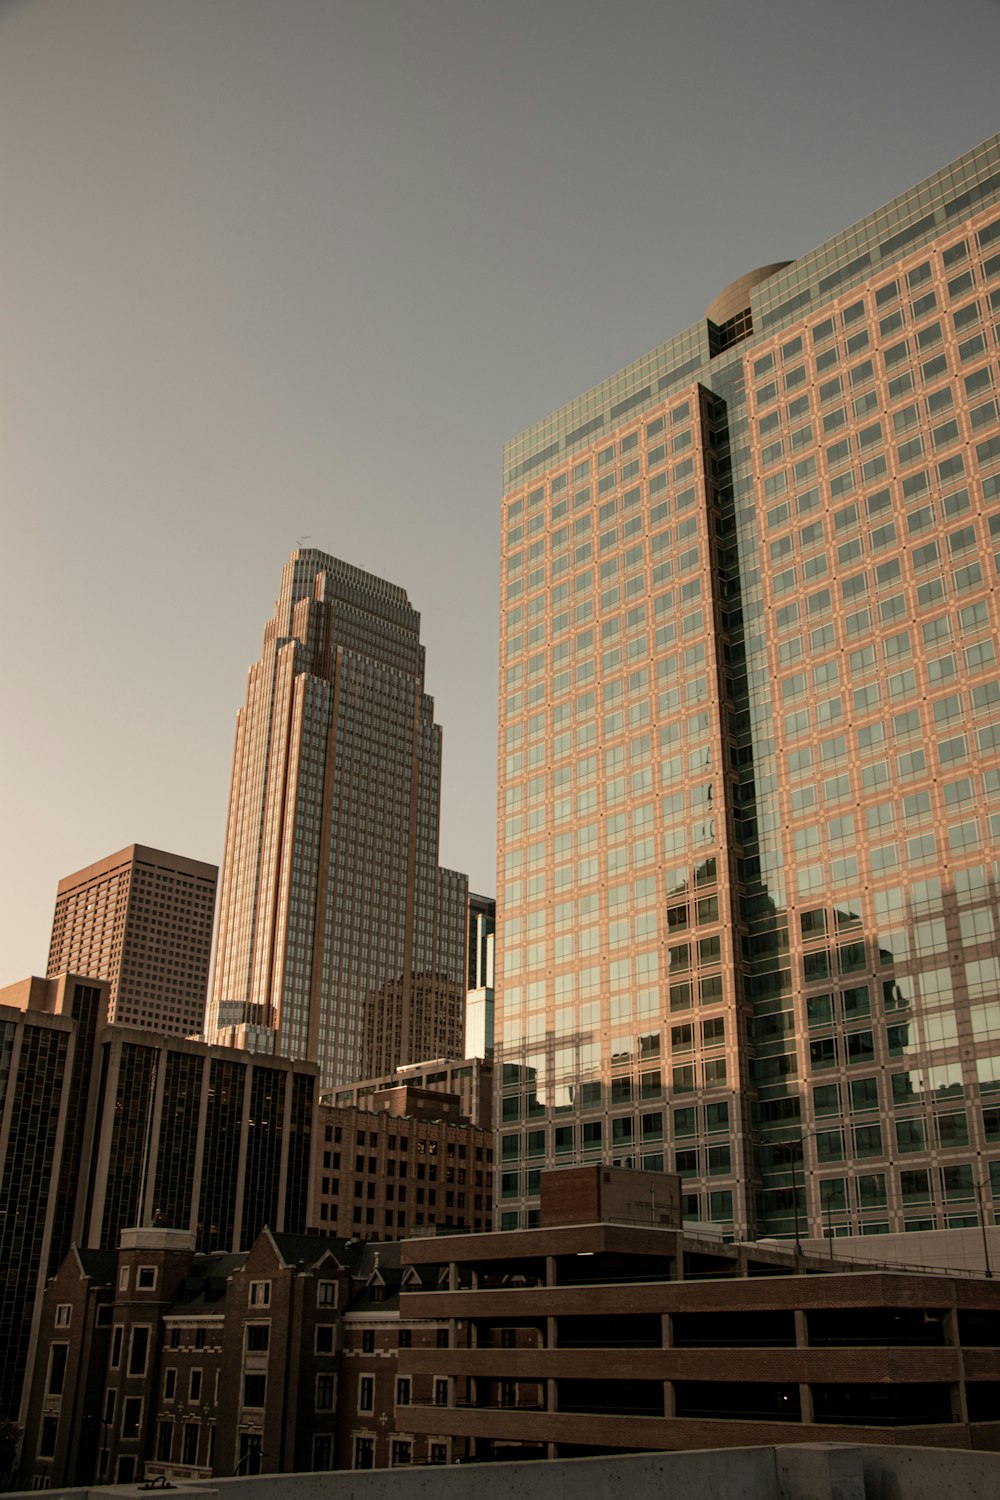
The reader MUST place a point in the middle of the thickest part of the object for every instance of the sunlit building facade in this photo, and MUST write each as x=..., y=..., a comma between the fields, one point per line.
x=142, y=920
x=340, y=939
x=750, y=746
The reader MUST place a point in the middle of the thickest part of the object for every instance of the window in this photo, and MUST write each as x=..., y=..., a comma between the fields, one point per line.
x=326, y=1392
x=64, y=1313
x=47, y=1437
x=403, y=1390
x=325, y=1338
x=58, y=1355
x=441, y=1392
x=164, y=1441
x=326, y=1294
x=194, y=1386
x=117, y=1338
x=131, y=1418
x=146, y=1278
x=260, y=1294
x=401, y=1451
x=368, y=1341
x=364, y=1453
x=138, y=1351
x=254, y=1390
x=169, y=1384
x=366, y=1393
x=251, y=1453
x=258, y=1337
x=189, y=1447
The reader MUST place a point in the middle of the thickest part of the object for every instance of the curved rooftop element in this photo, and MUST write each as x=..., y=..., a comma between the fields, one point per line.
x=735, y=297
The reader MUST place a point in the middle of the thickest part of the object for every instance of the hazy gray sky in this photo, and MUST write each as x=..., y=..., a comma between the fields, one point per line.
x=286, y=268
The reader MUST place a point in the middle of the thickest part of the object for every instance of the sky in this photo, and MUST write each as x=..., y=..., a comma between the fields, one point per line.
x=284, y=270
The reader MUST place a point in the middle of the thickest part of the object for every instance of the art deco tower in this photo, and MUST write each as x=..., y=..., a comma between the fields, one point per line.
x=340, y=939
x=750, y=746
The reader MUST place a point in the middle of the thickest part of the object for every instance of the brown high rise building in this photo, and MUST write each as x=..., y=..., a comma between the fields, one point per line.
x=142, y=920
x=750, y=746
x=340, y=938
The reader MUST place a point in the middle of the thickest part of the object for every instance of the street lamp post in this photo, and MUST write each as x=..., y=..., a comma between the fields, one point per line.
x=982, y=1220
x=805, y=1135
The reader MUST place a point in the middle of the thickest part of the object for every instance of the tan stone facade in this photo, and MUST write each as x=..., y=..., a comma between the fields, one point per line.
x=142, y=920
x=340, y=938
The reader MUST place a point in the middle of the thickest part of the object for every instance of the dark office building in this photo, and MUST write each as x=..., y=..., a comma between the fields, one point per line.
x=105, y=1128
x=47, y=1032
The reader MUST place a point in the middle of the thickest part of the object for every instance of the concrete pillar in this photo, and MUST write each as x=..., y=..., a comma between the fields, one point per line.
x=801, y=1329
x=667, y=1330
x=806, y=1403
x=669, y=1399
x=550, y=1270
x=952, y=1338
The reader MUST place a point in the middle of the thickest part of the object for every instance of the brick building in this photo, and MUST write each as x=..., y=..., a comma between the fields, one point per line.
x=162, y=1362
x=404, y=1162
x=608, y=1328
x=597, y=1333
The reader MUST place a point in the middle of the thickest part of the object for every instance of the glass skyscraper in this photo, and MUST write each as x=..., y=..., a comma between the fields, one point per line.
x=749, y=855
x=340, y=939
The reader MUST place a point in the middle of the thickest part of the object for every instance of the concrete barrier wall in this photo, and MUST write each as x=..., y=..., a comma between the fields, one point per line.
x=929, y=1474
x=798, y=1471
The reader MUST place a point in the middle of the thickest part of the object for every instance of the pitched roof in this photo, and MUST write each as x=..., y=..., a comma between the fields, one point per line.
x=203, y=1289
x=99, y=1265
x=310, y=1249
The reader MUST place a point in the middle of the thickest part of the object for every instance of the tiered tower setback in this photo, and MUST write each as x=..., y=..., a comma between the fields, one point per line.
x=340, y=938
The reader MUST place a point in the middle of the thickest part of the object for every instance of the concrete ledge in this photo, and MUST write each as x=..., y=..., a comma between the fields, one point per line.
x=794, y=1471
x=820, y=1471
x=928, y=1473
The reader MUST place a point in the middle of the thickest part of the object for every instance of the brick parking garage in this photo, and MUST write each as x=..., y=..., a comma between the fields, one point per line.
x=579, y=1339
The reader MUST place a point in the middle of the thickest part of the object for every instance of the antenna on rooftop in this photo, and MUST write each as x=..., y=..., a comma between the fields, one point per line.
x=300, y=540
